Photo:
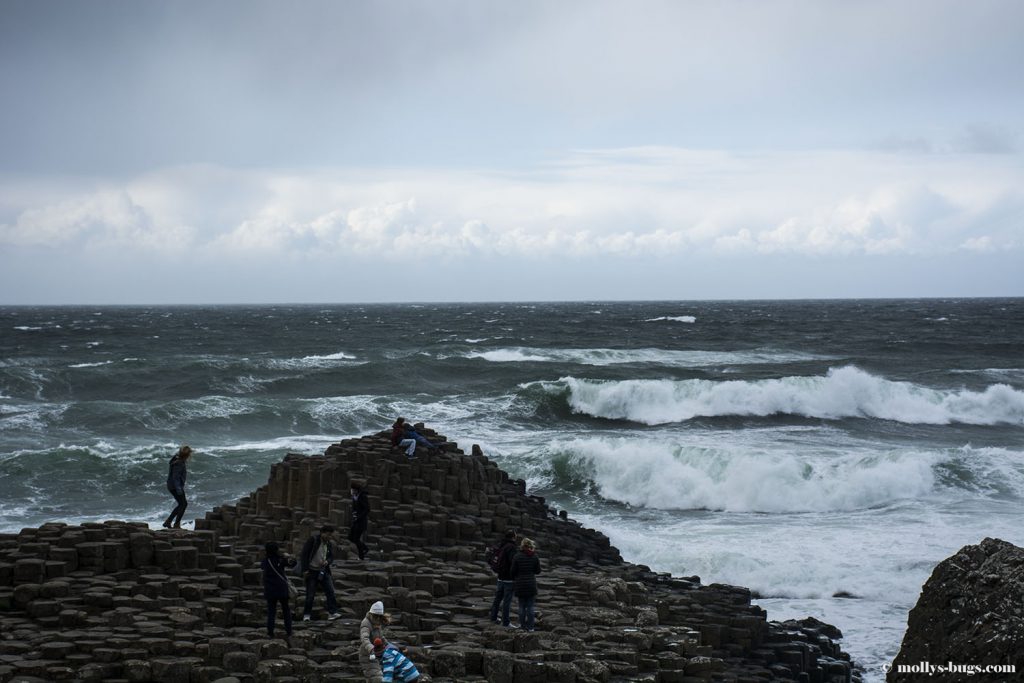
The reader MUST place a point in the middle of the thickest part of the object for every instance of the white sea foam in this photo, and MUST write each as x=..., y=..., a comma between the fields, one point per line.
x=666, y=357
x=91, y=365
x=659, y=474
x=842, y=393
x=676, y=318
x=510, y=356
x=27, y=328
x=341, y=355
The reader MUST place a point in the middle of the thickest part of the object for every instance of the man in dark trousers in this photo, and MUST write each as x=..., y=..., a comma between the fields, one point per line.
x=317, y=555
x=503, y=593
x=360, y=517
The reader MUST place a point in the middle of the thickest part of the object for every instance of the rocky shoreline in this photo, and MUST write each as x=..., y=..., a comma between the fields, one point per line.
x=118, y=601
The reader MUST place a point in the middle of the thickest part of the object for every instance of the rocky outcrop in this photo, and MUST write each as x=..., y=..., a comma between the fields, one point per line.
x=969, y=615
x=120, y=602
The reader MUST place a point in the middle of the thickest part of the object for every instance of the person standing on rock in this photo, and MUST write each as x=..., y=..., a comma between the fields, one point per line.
x=176, y=475
x=360, y=517
x=503, y=592
x=372, y=629
x=276, y=588
x=525, y=567
x=317, y=555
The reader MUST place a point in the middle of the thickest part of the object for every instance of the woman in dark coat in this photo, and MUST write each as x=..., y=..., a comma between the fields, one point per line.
x=275, y=587
x=525, y=567
x=176, y=475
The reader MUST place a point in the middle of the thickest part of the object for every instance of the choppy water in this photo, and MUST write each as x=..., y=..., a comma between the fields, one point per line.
x=797, y=448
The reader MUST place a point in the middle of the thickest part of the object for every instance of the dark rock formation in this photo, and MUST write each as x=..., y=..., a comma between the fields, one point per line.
x=119, y=602
x=969, y=614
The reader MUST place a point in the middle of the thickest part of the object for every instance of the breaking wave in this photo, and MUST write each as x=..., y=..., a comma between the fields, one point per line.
x=846, y=392
x=658, y=474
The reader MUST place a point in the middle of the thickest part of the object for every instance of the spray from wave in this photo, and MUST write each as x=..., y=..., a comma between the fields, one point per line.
x=846, y=392
x=663, y=475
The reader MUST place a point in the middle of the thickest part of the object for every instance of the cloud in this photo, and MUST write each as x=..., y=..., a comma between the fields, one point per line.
x=630, y=202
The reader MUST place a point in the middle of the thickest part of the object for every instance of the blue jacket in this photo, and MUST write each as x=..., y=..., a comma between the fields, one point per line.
x=397, y=667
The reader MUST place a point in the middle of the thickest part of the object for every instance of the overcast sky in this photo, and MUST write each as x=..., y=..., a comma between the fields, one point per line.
x=240, y=151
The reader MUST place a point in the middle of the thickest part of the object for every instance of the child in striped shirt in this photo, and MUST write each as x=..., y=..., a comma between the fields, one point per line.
x=397, y=667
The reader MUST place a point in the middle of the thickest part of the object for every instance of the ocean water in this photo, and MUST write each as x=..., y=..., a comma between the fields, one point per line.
x=802, y=449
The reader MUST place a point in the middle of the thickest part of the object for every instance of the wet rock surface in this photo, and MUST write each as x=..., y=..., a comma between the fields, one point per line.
x=119, y=602
x=969, y=614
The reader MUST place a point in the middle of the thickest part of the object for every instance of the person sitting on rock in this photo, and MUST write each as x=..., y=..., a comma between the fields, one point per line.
x=371, y=629
x=525, y=567
x=276, y=588
x=316, y=558
x=395, y=666
x=503, y=592
x=417, y=438
x=399, y=439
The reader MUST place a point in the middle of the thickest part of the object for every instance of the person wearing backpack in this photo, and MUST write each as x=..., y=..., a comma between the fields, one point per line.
x=500, y=560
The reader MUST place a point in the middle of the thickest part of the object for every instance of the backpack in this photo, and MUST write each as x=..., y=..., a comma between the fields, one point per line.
x=493, y=558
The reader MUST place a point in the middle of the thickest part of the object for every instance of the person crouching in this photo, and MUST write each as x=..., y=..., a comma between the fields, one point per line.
x=395, y=666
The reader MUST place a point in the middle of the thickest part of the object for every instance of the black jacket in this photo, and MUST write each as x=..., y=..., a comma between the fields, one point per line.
x=275, y=577
x=360, y=509
x=525, y=567
x=506, y=551
x=177, y=471
x=311, y=546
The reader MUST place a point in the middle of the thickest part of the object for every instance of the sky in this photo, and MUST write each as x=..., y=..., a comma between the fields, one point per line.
x=241, y=151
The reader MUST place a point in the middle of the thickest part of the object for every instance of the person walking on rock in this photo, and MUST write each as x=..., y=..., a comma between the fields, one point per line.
x=371, y=629
x=525, y=567
x=503, y=556
x=360, y=517
x=176, y=475
x=276, y=588
x=317, y=555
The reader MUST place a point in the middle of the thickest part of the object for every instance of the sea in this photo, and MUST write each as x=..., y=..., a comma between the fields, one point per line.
x=825, y=454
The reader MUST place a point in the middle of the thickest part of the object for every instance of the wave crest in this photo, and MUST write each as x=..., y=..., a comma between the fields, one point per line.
x=658, y=475
x=846, y=392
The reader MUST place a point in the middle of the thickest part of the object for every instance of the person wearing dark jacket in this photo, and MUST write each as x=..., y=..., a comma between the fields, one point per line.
x=525, y=567
x=177, y=472
x=317, y=555
x=503, y=592
x=400, y=440
x=275, y=587
x=360, y=518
